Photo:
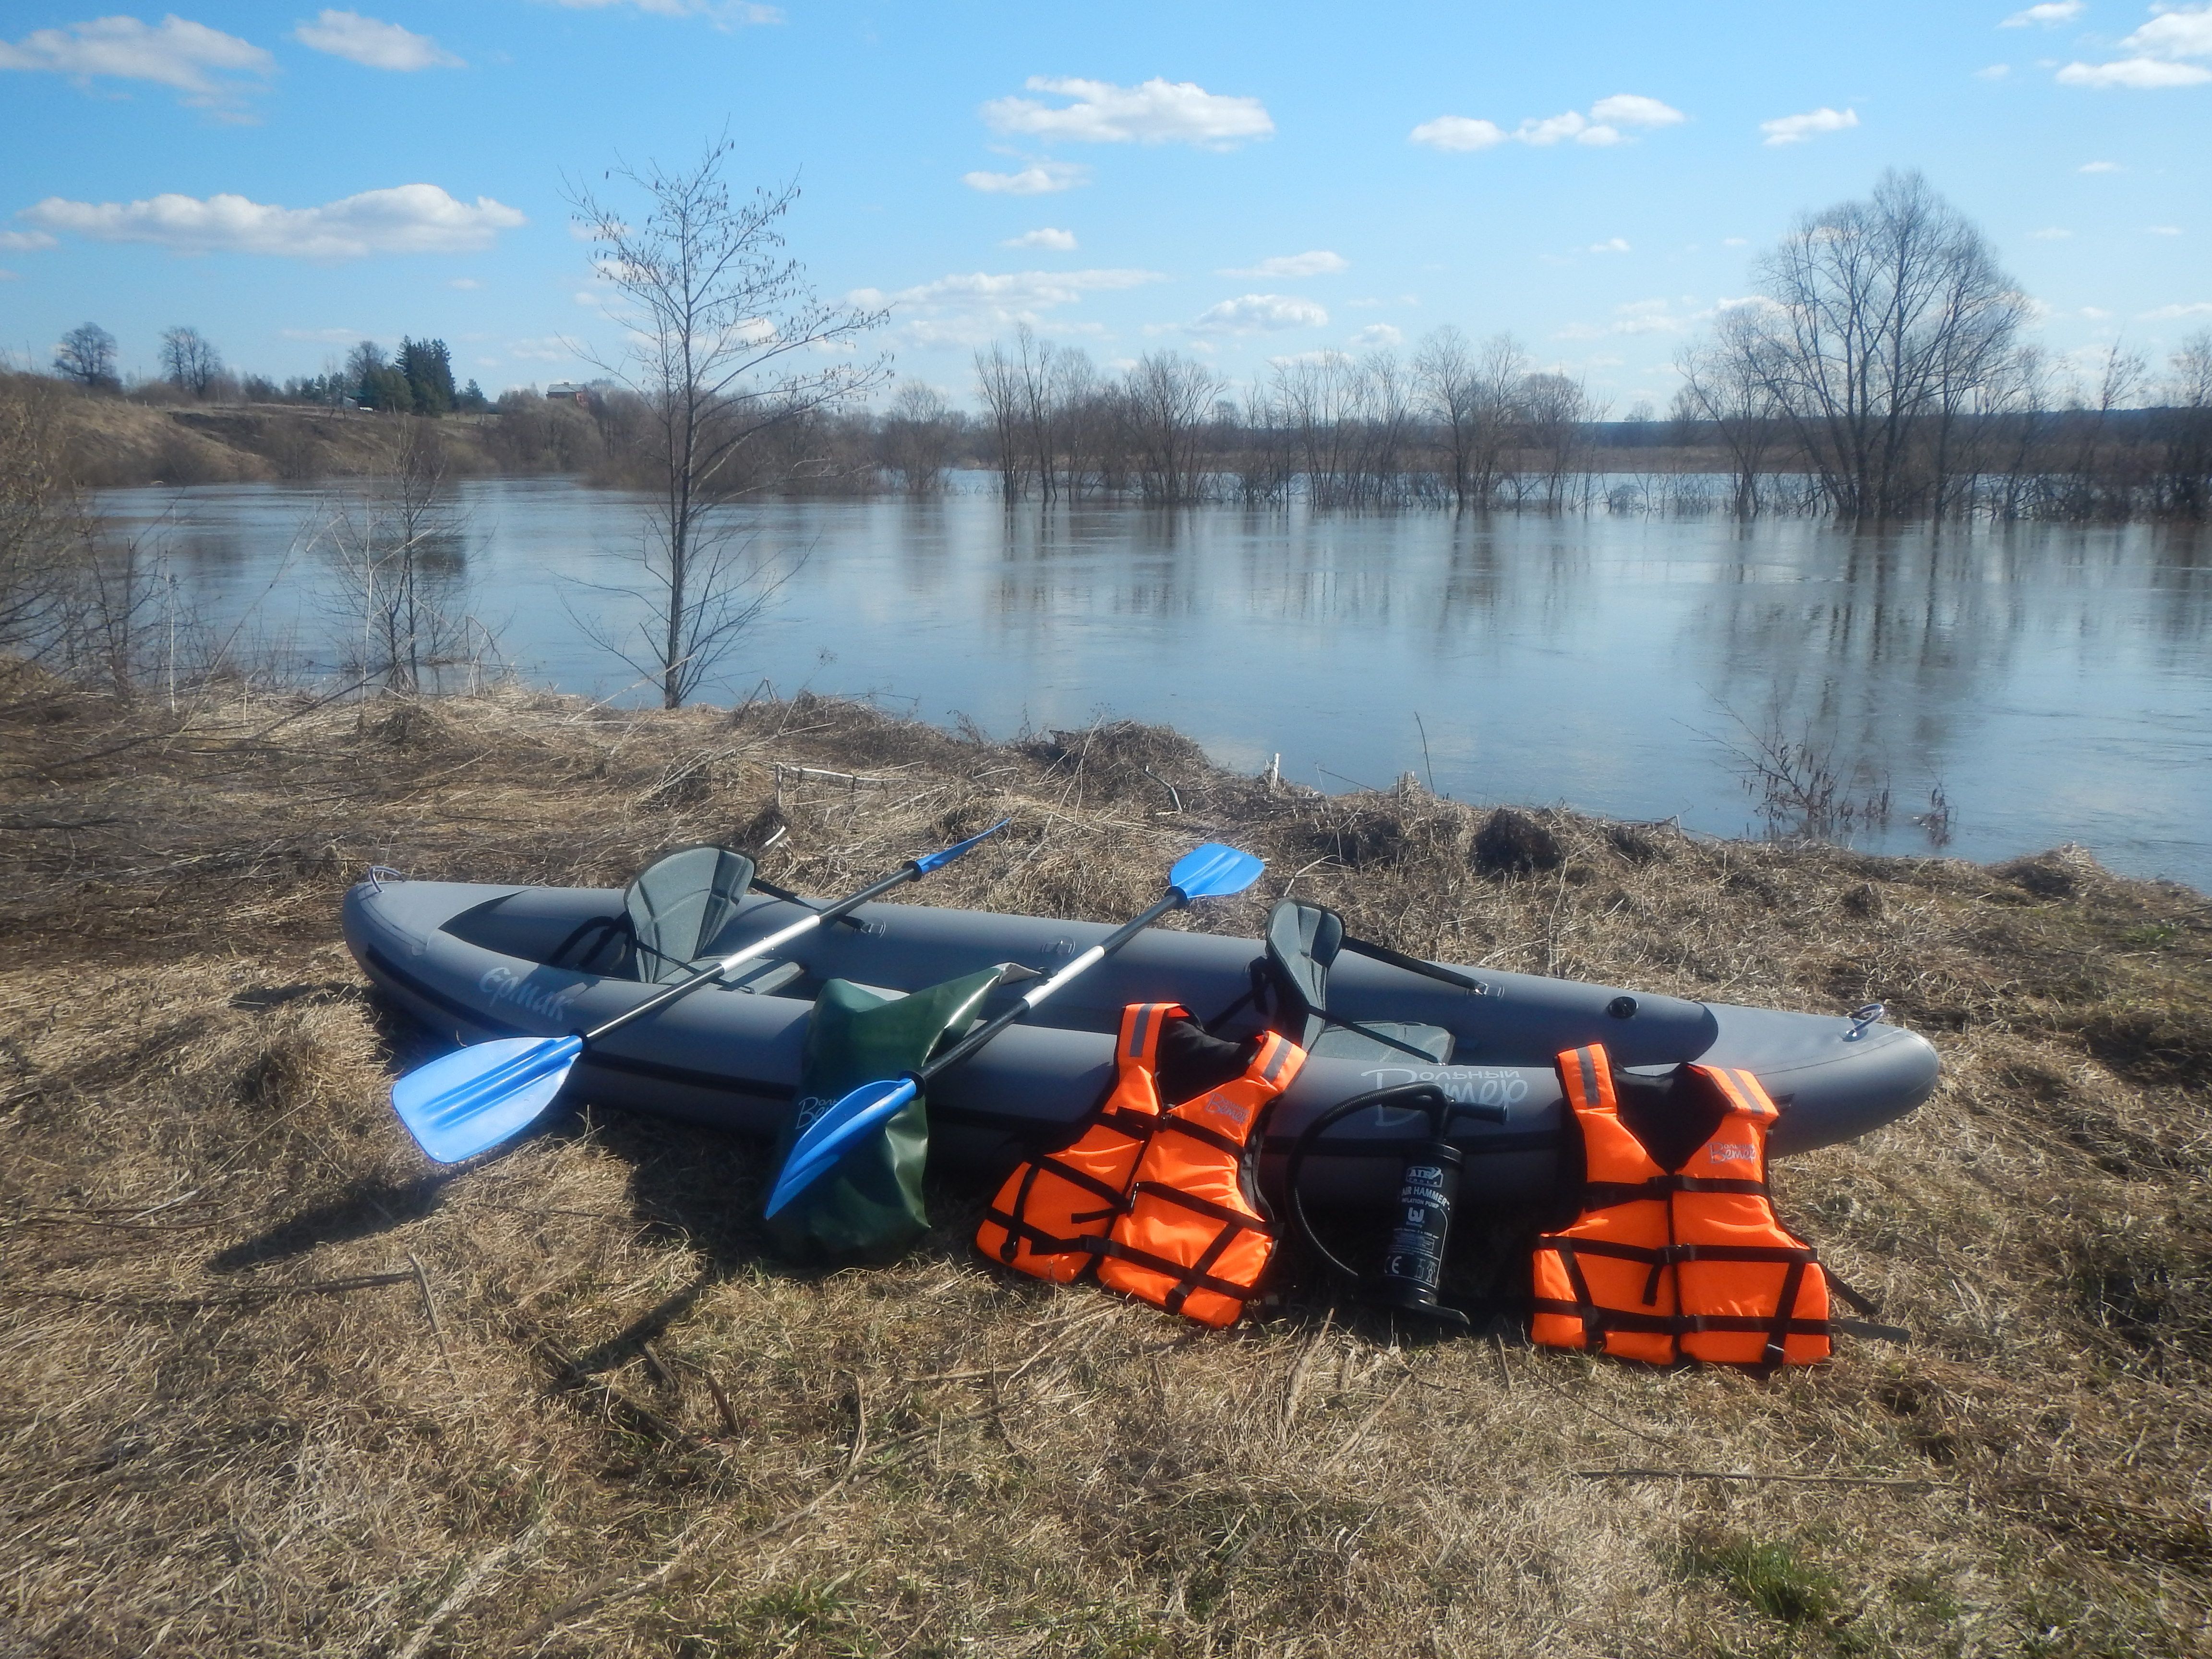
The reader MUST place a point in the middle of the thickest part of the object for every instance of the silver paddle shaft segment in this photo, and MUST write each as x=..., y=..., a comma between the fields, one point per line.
x=1037, y=994
x=759, y=948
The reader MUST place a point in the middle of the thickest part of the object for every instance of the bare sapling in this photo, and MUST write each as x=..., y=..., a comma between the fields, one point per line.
x=724, y=344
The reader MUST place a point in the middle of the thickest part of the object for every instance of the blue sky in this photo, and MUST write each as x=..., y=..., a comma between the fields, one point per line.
x=1246, y=181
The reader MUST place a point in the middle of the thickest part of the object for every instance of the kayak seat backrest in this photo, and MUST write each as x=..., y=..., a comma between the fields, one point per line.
x=1303, y=940
x=679, y=904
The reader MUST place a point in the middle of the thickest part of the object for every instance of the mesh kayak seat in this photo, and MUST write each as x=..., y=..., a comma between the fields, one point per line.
x=677, y=906
x=1303, y=940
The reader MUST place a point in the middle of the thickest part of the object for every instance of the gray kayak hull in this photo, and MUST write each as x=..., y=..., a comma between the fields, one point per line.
x=467, y=960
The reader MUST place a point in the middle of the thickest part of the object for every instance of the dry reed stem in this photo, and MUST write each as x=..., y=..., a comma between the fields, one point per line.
x=200, y=1459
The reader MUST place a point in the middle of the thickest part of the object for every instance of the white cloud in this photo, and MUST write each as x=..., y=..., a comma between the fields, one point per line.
x=2050, y=234
x=1158, y=111
x=2173, y=32
x=2138, y=74
x=406, y=219
x=464, y=284
x=191, y=58
x=1457, y=132
x=1038, y=178
x=2048, y=15
x=1601, y=126
x=1736, y=241
x=24, y=241
x=2100, y=166
x=1637, y=317
x=1318, y=263
x=1611, y=245
x=2164, y=230
x=1059, y=241
x=1377, y=336
x=372, y=43
x=1797, y=128
x=544, y=348
x=1626, y=109
x=723, y=14
x=1994, y=72
x=1260, y=313
x=969, y=308
x=2175, y=314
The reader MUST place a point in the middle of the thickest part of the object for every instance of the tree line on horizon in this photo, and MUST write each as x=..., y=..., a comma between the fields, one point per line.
x=415, y=380
x=1880, y=372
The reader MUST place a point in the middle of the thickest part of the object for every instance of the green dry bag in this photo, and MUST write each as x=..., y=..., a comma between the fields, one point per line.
x=869, y=1206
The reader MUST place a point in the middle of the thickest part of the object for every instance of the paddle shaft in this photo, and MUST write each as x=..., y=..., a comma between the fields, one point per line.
x=827, y=913
x=1174, y=899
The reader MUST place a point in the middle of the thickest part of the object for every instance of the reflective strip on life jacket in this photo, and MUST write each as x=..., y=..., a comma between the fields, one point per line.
x=1691, y=1263
x=1193, y=1241
x=1053, y=1213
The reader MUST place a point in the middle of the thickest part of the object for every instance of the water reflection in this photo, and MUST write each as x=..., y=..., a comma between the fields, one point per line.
x=2053, y=680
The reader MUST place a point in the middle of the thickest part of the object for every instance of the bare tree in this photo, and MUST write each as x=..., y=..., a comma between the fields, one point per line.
x=727, y=342
x=916, y=437
x=2185, y=471
x=1888, y=315
x=999, y=384
x=1558, y=415
x=86, y=355
x=1170, y=399
x=396, y=551
x=1725, y=387
x=1499, y=413
x=1447, y=383
x=45, y=548
x=189, y=360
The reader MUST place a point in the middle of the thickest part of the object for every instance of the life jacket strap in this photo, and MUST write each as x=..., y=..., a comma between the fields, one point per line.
x=1605, y=1194
x=1213, y=1138
x=1205, y=1207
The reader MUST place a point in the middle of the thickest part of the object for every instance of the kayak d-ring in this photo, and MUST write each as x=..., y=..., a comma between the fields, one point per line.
x=378, y=873
x=1862, y=1018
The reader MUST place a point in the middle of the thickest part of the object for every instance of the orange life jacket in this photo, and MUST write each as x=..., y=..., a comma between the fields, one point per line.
x=1692, y=1262
x=1052, y=1215
x=1193, y=1239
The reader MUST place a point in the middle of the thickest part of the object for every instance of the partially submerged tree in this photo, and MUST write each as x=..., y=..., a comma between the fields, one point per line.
x=1888, y=320
x=2185, y=472
x=727, y=341
x=1726, y=388
x=916, y=438
x=396, y=551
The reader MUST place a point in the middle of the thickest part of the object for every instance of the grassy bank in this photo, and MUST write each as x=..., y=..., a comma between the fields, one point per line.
x=270, y=1384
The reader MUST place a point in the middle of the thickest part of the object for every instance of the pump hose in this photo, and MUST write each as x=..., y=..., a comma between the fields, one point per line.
x=1416, y=1096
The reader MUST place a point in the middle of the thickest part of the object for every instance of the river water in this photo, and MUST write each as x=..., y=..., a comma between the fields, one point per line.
x=2054, y=683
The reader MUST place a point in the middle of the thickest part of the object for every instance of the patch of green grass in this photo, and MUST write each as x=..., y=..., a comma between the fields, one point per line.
x=2151, y=936
x=1773, y=1576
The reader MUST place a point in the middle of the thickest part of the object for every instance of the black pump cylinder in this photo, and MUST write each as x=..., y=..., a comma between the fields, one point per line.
x=1413, y=1262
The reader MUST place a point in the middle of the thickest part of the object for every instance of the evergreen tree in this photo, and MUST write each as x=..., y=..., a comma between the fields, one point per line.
x=429, y=368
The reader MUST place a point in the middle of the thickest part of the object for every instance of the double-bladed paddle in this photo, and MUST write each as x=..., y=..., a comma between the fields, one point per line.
x=1212, y=870
x=472, y=1099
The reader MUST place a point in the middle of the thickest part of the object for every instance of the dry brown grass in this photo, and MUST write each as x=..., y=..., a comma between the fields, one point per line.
x=234, y=1419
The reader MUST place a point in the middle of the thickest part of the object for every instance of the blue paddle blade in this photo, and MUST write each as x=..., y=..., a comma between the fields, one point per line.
x=1215, y=871
x=826, y=1139
x=929, y=861
x=475, y=1097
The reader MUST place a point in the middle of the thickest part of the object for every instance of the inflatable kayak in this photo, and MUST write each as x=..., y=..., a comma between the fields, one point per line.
x=475, y=961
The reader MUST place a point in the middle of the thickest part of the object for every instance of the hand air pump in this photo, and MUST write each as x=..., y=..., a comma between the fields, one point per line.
x=1428, y=1186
